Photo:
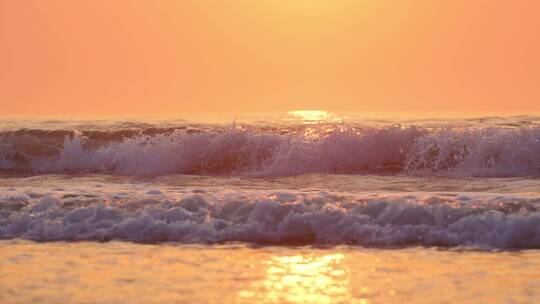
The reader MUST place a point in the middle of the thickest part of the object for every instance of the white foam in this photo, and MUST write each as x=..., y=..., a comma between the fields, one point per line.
x=477, y=220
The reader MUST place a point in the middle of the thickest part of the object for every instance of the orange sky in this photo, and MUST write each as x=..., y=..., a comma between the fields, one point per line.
x=122, y=57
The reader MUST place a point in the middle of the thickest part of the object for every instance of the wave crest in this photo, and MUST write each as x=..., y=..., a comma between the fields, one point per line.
x=391, y=150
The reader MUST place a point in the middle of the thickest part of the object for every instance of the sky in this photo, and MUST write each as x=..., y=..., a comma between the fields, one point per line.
x=123, y=57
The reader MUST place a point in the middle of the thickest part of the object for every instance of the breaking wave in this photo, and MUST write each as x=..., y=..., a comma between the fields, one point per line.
x=485, y=152
x=480, y=221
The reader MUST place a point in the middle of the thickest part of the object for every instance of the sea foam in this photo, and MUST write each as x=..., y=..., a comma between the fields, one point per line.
x=486, y=221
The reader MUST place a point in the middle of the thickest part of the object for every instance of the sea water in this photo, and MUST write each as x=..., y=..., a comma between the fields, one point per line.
x=305, y=207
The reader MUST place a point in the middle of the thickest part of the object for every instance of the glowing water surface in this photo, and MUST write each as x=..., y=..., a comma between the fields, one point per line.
x=119, y=272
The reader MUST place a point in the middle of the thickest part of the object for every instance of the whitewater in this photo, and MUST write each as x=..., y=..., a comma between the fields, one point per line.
x=490, y=147
x=300, y=207
x=470, y=183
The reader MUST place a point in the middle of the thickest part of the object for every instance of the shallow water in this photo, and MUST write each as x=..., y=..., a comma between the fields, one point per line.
x=116, y=272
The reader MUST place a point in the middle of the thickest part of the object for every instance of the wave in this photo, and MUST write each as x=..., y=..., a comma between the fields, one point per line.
x=277, y=151
x=476, y=221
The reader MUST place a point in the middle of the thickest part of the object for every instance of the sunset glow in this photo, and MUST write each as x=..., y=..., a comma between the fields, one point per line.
x=88, y=58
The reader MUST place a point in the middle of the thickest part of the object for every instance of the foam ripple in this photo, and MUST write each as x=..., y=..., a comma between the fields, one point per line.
x=379, y=220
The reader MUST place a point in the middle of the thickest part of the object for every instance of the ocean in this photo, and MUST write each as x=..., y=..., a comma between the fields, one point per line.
x=300, y=207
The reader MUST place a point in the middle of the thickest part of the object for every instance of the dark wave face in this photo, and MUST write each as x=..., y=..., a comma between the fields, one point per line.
x=490, y=147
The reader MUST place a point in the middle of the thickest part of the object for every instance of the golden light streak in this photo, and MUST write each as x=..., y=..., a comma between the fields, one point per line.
x=305, y=279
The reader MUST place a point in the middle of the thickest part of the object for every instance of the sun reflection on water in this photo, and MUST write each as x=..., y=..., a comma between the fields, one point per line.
x=304, y=279
x=317, y=123
x=310, y=115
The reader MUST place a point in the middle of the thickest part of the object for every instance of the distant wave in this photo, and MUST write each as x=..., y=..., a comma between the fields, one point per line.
x=478, y=220
x=277, y=151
